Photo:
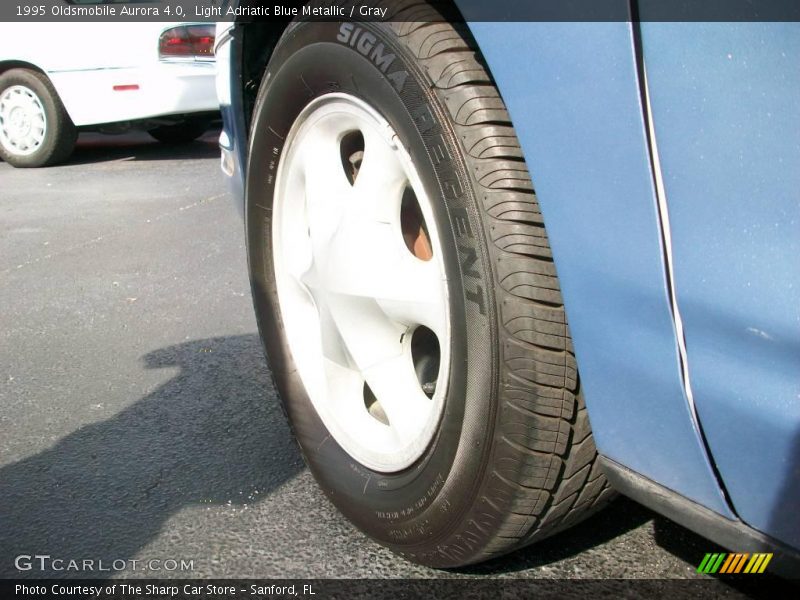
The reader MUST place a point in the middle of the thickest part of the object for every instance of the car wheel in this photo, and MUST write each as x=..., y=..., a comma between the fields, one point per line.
x=35, y=129
x=181, y=133
x=406, y=294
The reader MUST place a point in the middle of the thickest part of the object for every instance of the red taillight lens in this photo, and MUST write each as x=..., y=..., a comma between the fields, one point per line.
x=202, y=37
x=187, y=40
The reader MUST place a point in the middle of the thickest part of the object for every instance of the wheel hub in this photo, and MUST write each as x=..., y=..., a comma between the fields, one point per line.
x=20, y=122
x=361, y=282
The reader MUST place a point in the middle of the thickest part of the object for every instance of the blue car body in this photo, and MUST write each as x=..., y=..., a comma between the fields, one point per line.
x=666, y=158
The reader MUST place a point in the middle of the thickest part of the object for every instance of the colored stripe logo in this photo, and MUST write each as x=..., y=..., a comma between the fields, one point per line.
x=734, y=563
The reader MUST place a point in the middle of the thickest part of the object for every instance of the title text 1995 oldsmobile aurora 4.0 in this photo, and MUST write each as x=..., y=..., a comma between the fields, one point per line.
x=505, y=270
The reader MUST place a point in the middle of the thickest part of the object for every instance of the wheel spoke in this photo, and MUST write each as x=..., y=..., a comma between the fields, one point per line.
x=416, y=297
x=407, y=290
x=326, y=189
x=381, y=180
x=367, y=334
x=345, y=396
x=377, y=351
x=334, y=347
x=394, y=384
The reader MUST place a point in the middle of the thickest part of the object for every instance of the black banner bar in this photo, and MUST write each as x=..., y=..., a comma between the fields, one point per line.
x=397, y=589
x=64, y=11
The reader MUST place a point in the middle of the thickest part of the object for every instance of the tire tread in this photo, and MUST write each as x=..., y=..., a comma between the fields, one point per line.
x=544, y=475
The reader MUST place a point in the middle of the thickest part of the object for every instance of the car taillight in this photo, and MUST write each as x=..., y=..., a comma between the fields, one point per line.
x=187, y=40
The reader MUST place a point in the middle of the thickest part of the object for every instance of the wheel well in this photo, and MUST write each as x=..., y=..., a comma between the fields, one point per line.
x=258, y=42
x=260, y=38
x=7, y=65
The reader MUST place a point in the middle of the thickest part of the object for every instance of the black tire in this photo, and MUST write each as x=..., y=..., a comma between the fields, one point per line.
x=60, y=132
x=181, y=133
x=513, y=460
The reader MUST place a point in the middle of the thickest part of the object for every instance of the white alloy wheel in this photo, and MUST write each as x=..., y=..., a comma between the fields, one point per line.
x=361, y=282
x=23, y=123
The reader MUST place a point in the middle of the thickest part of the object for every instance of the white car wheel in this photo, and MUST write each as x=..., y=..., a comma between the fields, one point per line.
x=361, y=282
x=23, y=123
x=35, y=129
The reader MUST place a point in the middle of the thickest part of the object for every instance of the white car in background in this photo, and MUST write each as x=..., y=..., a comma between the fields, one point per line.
x=56, y=79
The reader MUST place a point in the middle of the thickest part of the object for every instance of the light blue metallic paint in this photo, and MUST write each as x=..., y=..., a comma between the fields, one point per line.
x=573, y=93
x=726, y=106
x=232, y=110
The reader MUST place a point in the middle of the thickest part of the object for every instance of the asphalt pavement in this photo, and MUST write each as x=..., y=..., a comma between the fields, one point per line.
x=137, y=419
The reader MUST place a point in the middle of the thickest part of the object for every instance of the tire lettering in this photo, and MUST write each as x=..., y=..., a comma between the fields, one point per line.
x=423, y=119
x=355, y=36
x=345, y=31
x=453, y=189
x=461, y=222
x=476, y=297
x=367, y=44
x=398, y=79
x=470, y=257
x=439, y=151
x=382, y=61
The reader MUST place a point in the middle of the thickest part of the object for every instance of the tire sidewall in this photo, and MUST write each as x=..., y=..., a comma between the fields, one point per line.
x=418, y=508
